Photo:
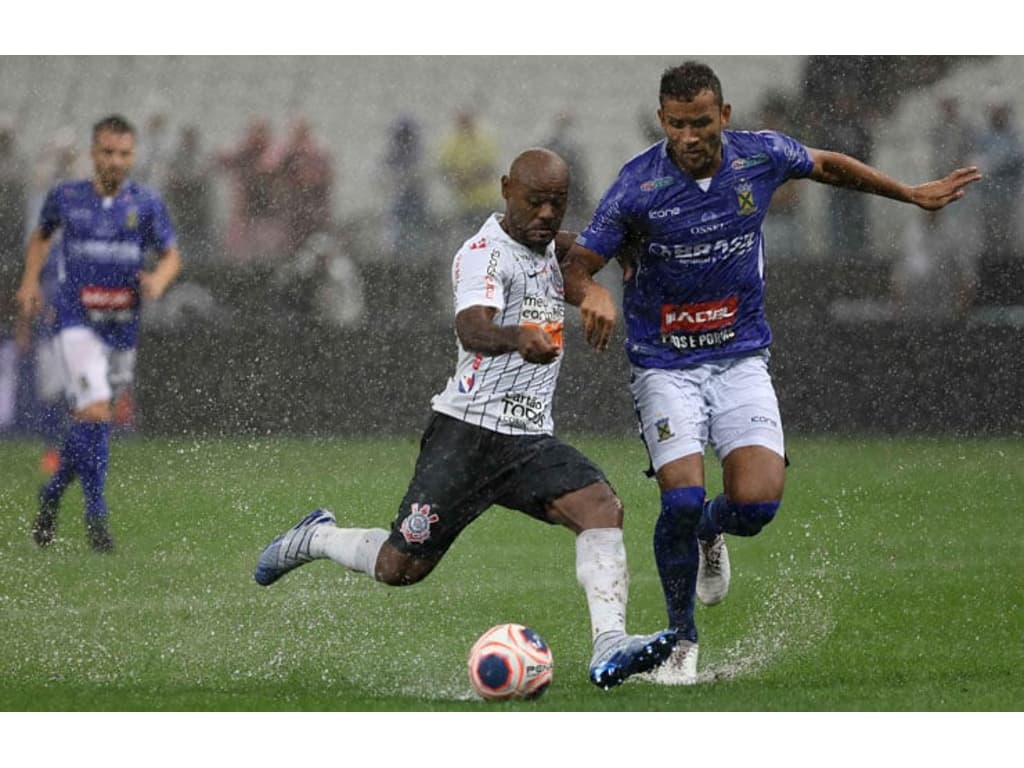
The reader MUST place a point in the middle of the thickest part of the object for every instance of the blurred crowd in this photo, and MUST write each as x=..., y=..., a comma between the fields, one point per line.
x=269, y=202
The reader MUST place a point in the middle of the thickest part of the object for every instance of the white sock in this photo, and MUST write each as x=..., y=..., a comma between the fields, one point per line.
x=354, y=548
x=601, y=571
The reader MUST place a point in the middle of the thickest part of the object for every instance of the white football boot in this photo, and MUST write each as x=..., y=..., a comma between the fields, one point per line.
x=680, y=668
x=713, y=572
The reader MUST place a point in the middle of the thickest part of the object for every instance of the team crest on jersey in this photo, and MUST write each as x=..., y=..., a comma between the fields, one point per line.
x=745, y=198
x=653, y=184
x=416, y=527
x=664, y=427
x=131, y=218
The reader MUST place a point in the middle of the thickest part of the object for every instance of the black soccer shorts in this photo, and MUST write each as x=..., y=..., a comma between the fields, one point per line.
x=464, y=469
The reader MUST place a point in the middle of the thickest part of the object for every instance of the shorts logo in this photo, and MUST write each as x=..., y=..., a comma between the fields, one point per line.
x=664, y=427
x=416, y=527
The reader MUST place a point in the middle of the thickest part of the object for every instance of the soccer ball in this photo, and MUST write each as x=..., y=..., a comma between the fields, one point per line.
x=510, y=661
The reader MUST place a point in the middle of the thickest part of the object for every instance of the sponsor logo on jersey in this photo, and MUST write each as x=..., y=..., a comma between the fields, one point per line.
x=664, y=213
x=664, y=427
x=706, y=229
x=541, y=309
x=749, y=162
x=686, y=341
x=481, y=243
x=704, y=252
x=467, y=382
x=519, y=409
x=102, y=297
x=745, y=198
x=107, y=305
x=702, y=316
x=106, y=251
x=490, y=279
x=416, y=527
x=653, y=184
x=546, y=314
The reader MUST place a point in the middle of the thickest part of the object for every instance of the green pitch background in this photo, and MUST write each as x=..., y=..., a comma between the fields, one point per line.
x=893, y=579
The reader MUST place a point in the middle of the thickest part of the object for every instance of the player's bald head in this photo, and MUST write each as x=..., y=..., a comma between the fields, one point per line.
x=536, y=190
x=539, y=167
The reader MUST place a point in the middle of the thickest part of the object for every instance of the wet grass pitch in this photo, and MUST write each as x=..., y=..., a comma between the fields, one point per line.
x=891, y=581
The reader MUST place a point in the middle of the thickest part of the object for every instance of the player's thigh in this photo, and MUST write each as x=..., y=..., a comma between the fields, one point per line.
x=453, y=483
x=86, y=360
x=672, y=413
x=122, y=369
x=557, y=484
x=746, y=430
x=49, y=370
x=753, y=474
x=593, y=506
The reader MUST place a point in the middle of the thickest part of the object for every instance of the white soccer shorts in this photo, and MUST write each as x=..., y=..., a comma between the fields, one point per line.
x=728, y=403
x=93, y=369
x=49, y=370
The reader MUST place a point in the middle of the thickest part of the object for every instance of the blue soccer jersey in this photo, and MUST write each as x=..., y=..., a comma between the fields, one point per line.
x=697, y=293
x=104, y=241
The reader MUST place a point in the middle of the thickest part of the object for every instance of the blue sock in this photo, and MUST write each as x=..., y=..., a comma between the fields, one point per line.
x=675, y=552
x=92, y=459
x=722, y=515
x=66, y=471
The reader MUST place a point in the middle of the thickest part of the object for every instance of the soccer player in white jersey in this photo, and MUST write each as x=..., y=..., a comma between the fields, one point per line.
x=107, y=225
x=689, y=209
x=489, y=439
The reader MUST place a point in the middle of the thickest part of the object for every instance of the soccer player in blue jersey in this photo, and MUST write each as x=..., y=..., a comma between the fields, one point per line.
x=108, y=224
x=690, y=209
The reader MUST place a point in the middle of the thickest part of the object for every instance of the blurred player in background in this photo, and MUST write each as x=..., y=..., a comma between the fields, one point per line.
x=689, y=211
x=489, y=440
x=107, y=224
x=57, y=163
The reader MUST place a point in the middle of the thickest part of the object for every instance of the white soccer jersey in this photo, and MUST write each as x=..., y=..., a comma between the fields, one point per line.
x=504, y=393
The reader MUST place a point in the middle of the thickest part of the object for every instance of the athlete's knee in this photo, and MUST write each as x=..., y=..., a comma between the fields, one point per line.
x=399, y=569
x=681, y=508
x=98, y=411
x=752, y=517
x=595, y=506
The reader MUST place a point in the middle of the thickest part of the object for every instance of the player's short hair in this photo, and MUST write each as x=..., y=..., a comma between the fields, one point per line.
x=114, y=124
x=688, y=79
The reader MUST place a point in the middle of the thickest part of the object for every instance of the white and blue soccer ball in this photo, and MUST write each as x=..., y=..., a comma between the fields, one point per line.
x=510, y=661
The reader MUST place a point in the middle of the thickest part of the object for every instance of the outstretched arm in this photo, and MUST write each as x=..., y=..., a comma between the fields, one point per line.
x=841, y=170
x=597, y=308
